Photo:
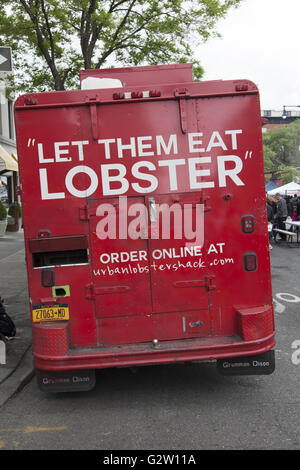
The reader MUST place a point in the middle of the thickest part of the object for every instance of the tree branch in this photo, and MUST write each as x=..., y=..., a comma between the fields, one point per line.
x=41, y=44
x=49, y=30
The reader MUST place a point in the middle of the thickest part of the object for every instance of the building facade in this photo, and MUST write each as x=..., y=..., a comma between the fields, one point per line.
x=8, y=152
x=277, y=118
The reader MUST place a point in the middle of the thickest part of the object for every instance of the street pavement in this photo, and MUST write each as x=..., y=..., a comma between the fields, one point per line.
x=18, y=369
x=156, y=407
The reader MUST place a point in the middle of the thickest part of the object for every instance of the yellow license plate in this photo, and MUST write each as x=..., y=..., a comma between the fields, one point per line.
x=53, y=313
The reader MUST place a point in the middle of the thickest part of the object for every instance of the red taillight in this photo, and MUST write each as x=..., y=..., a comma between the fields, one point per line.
x=30, y=101
x=154, y=93
x=118, y=96
x=137, y=94
x=255, y=322
x=248, y=224
x=50, y=339
x=242, y=87
x=250, y=262
x=48, y=278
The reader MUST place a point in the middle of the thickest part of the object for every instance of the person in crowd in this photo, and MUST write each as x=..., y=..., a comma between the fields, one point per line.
x=289, y=205
x=294, y=209
x=294, y=199
x=298, y=209
x=7, y=326
x=273, y=203
x=270, y=215
x=281, y=213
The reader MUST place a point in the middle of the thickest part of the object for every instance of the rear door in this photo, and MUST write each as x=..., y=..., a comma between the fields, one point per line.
x=121, y=275
x=177, y=258
x=149, y=278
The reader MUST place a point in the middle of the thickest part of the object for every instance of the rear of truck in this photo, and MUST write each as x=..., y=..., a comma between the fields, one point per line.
x=102, y=173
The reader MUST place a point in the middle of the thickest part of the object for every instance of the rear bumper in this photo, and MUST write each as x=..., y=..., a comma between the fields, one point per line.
x=145, y=353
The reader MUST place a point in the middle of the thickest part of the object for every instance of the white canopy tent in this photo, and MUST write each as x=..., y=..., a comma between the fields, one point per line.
x=286, y=189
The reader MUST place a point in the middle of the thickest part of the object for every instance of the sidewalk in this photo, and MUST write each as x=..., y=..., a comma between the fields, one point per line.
x=18, y=369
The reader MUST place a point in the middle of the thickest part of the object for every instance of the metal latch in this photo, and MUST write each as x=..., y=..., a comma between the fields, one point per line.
x=194, y=324
x=206, y=281
x=92, y=291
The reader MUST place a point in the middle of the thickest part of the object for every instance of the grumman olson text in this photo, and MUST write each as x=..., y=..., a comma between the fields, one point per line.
x=148, y=172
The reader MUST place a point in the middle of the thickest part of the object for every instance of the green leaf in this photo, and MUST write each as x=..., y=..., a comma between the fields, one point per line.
x=52, y=40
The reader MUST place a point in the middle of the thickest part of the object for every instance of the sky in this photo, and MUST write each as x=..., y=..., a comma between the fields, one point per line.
x=260, y=42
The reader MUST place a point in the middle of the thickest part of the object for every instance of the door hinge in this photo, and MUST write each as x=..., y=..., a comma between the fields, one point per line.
x=92, y=101
x=205, y=201
x=85, y=212
x=89, y=292
x=182, y=94
x=209, y=283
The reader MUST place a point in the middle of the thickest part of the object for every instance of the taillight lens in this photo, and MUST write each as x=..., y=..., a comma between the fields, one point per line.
x=48, y=278
x=154, y=93
x=250, y=262
x=255, y=322
x=248, y=224
x=242, y=87
x=137, y=94
x=118, y=96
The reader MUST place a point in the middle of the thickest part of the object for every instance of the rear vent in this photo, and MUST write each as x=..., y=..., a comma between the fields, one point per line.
x=60, y=258
x=59, y=251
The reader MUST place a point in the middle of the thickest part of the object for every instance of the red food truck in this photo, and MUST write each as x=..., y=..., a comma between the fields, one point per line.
x=145, y=224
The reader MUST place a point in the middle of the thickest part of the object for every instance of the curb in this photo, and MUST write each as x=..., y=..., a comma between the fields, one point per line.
x=19, y=378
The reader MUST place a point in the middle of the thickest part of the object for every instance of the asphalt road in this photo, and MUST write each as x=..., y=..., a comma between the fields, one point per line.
x=176, y=406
